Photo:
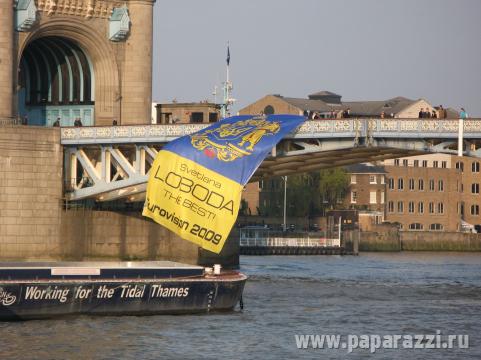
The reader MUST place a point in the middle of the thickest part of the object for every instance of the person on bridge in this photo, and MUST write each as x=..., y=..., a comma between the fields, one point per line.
x=463, y=114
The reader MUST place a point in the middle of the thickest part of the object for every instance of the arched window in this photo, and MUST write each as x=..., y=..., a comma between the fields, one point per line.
x=269, y=110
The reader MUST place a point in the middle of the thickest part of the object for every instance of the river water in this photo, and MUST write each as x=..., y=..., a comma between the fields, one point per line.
x=376, y=294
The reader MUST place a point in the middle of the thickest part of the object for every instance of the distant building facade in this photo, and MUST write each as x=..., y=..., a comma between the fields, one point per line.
x=187, y=113
x=433, y=192
x=367, y=193
x=325, y=104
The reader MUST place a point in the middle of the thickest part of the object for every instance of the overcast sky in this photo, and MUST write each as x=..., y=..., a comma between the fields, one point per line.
x=360, y=49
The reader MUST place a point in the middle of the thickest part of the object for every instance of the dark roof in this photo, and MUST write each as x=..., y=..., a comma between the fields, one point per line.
x=365, y=168
x=324, y=93
x=357, y=108
x=375, y=108
x=308, y=104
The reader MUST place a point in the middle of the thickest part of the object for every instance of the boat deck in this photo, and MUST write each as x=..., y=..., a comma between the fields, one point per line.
x=97, y=270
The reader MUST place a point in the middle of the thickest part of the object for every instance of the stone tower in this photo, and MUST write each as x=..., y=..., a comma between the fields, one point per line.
x=69, y=59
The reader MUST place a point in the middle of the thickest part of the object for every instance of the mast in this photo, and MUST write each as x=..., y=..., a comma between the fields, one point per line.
x=227, y=101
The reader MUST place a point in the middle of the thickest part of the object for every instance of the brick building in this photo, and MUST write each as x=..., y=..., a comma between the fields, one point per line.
x=367, y=188
x=185, y=113
x=433, y=192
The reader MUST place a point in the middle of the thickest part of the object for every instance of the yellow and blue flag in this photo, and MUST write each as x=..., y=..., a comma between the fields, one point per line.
x=196, y=181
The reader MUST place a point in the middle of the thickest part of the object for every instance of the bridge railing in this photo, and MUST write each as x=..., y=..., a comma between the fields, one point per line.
x=337, y=127
x=289, y=242
x=10, y=121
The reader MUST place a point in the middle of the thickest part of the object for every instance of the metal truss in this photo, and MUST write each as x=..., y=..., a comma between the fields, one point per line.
x=108, y=163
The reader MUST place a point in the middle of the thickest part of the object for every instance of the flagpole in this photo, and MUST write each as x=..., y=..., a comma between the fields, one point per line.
x=227, y=87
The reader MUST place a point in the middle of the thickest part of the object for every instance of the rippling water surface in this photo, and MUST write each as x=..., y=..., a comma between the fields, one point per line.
x=401, y=293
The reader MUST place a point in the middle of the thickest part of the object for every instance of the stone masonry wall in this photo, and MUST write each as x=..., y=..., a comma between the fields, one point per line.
x=30, y=192
x=35, y=226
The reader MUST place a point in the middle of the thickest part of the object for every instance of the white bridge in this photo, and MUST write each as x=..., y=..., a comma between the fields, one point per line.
x=107, y=163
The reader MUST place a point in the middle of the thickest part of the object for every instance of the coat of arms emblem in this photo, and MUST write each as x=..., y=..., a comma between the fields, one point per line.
x=235, y=140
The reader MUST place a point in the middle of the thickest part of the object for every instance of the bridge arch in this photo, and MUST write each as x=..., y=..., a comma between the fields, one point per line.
x=71, y=75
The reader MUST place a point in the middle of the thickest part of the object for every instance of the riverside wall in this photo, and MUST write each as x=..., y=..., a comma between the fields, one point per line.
x=393, y=240
x=35, y=226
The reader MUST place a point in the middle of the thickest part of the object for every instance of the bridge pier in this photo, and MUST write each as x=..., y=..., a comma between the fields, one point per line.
x=34, y=224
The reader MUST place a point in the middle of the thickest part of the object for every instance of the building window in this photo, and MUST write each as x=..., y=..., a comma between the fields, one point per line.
x=382, y=197
x=416, y=163
x=474, y=209
x=372, y=179
x=421, y=185
x=372, y=197
x=353, y=179
x=431, y=208
x=400, y=207
x=213, y=117
x=475, y=188
x=436, y=227
x=166, y=118
x=421, y=208
x=440, y=208
x=400, y=184
x=475, y=167
x=462, y=209
x=460, y=166
x=396, y=162
x=431, y=185
x=197, y=117
x=416, y=226
x=383, y=180
x=269, y=110
x=440, y=185
x=411, y=184
x=353, y=197
x=390, y=206
x=444, y=164
x=390, y=183
x=425, y=163
x=411, y=207
x=405, y=162
x=435, y=164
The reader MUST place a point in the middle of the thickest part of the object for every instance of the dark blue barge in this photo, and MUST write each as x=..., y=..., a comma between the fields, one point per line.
x=45, y=290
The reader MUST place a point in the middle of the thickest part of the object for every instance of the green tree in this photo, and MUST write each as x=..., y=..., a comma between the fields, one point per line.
x=244, y=208
x=333, y=186
x=303, y=194
x=308, y=194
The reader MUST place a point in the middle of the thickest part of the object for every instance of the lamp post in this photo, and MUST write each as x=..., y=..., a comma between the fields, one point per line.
x=285, y=198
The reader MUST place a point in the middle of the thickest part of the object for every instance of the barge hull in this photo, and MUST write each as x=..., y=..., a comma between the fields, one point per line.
x=33, y=300
x=45, y=291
